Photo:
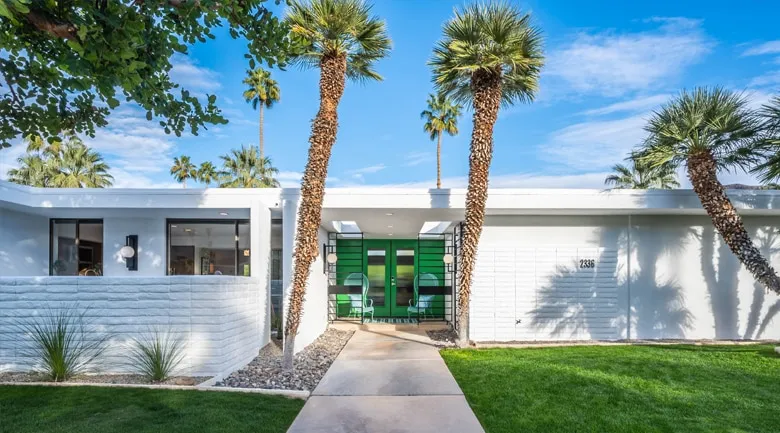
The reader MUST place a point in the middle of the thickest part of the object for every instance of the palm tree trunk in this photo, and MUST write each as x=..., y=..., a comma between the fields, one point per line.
x=486, y=88
x=323, y=135
x=702, y=172
x=262, y=141
x=438, y=162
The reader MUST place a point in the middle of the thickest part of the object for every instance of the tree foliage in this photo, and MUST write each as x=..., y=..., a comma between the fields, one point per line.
x=640, y=176
x=441, y=116
x=66, y=64
x=244, y=168
x=183, y=169
x=69, y=164
x=261, y=88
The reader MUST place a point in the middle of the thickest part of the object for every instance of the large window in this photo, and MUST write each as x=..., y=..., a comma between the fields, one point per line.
x=208, y=247
x=76, y=247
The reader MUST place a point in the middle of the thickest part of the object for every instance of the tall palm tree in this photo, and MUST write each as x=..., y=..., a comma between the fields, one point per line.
x=263, y=92
x=207, y=173
x=80, y=167
x=709, y=130
x=32, y=171
x=343, y=40
x=640, y=176
x=244, y=168
x=183, y=169
x=441, y=116
x=490, y=55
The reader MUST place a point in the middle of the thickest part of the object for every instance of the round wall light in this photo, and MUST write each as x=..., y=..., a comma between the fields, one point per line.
x=127, y=252
x=447, y=258
x=332, y=258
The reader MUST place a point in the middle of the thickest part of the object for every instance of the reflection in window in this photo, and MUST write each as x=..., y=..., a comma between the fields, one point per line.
x=76, y=247
x=219, y=247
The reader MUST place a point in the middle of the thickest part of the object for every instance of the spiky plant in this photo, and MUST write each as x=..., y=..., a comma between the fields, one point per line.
x=183, y=169
x=769, y=170
x=244, y=168
x=207, y=173
x=69, y=164
x=441, y=116
x=262, y=92
x=709, y=130
x=490, y=55
x=640, y=176
x=156, y=354
x=343, y=40
x=64, y=342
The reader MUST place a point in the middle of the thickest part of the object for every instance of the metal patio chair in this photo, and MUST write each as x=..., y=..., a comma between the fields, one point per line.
x=359, y=305
x=422, y=304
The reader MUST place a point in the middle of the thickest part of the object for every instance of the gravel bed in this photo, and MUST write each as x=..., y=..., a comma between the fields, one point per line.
x=134, y=379
x=311, y=363
x=443, y=337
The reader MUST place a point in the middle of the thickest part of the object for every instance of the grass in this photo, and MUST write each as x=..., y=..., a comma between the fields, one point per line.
x=90, y=409
x=678, y=388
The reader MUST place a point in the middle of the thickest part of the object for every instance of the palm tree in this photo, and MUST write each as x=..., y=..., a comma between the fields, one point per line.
x=245, y=169
x=639, y=176
x=183, y=169
x=343, y=40
x=441, y=116
x=32, y=171
x=709, y=130
x=207, y=173
x=79, y=167
x=263, y=92
x=769, y=170
x=490, y=55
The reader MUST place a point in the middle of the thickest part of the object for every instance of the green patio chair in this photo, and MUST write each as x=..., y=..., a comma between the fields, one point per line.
x=359, y=305
x=422, y=304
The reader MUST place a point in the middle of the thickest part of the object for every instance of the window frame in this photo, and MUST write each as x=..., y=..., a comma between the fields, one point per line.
x=77, y=222
x=224, y=221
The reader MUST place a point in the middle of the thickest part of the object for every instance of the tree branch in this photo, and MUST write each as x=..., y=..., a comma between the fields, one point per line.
x=48, y=24
x=11, y=88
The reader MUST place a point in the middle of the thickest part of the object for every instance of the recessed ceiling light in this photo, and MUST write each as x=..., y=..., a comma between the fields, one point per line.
x=187, y=230
x=173, y=226
x=389, y=214
x=223, y=213
x=389, y=234
x=389, y=227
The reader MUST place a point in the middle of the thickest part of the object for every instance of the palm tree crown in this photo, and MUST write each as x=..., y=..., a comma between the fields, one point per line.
x=769, y=170
x=207, y=173
x=339, y=29
x=440, y=116
x=492, y=41
x=261, y=88
x=183, y=169
x=60, y=164
x=245, y=168
x=639, y=176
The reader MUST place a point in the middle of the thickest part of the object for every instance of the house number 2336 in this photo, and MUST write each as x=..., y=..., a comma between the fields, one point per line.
x=587, y=263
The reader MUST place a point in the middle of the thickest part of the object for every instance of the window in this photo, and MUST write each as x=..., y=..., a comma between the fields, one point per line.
x=208, y=247
x=76, y=247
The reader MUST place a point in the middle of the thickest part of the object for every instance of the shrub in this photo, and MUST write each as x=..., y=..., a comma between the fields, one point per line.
x=157, y=354
x=64, y=342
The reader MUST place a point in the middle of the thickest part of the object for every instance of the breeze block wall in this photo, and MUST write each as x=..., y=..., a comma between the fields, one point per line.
x=222, y=319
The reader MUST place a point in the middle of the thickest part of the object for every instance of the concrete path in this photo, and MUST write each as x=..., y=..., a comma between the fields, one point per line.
x=389, y=381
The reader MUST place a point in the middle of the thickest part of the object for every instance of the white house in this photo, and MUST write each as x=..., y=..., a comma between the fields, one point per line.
x=552, y=264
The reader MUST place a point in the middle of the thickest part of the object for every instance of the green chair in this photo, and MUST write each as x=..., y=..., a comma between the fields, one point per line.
x=359, y=305
x=422, y=304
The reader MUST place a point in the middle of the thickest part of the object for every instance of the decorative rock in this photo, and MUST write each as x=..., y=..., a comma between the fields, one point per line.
x=310, y=365
x=444, y=337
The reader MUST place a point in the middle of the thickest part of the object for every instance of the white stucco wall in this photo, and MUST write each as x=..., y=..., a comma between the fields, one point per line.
x=666, y=277
x=24, y=244
x=151, y=246
x=222, y=319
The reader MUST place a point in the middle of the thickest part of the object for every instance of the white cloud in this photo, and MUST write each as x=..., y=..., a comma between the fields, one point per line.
x=632, y=105
x=770, y=47
x=360, y=173
x=768, y=79
x=613, y=64
x=8, y=157
x=125, y=179
x=193, y=77
x=417, y=158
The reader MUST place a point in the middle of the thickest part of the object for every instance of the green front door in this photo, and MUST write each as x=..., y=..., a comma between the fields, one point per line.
x=390, y=266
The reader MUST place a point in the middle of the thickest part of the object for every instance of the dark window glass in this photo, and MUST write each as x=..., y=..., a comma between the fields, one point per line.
x=76, y=247
x=199, y=247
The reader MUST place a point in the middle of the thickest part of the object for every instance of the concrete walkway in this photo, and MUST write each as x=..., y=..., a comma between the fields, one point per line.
x=389, y=381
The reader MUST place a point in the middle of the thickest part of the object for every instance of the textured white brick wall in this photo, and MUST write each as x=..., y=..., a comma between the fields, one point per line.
x=221, y=318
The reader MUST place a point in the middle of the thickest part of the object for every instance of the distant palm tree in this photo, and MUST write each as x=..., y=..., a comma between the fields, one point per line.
x=263, y=92
x=440, y=116
x=32, y=171
x=245, y=169
x=183, y=169
x=769, y=170
x=61, y=164
x=343, y=40
x=207, y=173
x=709, y=130
x=490, y=55
x=639, y=176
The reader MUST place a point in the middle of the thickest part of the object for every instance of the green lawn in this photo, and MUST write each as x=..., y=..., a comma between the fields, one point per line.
x=89, y=409
x=678, y=388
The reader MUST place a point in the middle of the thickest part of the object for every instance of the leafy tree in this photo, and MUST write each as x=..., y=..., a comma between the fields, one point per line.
x=490, y=55
x=343, y=40
x=183, y=169
x=61, y=165
x=207, y=173
x=769, y=170
x=639, y=176
x=263, y=92
x=441, y=116
x=708, y=131
x=65, y=65
x=245, y=168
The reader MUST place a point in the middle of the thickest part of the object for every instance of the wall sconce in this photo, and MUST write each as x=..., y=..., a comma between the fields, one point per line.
x=447, y=259
x=330, y=258
x=129, y=252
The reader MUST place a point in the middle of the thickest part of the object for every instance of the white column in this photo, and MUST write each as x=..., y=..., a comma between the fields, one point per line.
x=260, y=262
x=289, y=219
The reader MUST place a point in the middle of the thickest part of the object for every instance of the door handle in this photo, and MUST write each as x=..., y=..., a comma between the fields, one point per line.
x=392, y=281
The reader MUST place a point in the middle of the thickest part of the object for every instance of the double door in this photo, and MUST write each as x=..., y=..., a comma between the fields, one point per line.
x=390, y=266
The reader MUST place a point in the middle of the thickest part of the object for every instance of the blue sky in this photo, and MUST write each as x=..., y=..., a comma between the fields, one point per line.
x=608, y=66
